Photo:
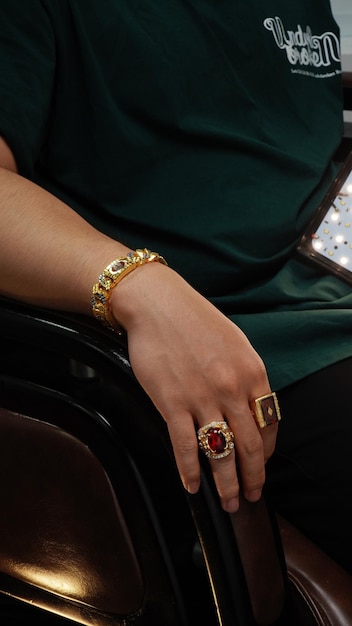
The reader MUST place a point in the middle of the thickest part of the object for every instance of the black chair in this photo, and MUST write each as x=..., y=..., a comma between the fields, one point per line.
x=95, y=525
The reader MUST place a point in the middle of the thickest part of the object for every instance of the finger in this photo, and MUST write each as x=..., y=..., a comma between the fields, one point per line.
x=256, y=430
x=269, y=436
x=266, y=413
x=226, y=481
x=216, y=441
x=184, y=440
x=250, y=455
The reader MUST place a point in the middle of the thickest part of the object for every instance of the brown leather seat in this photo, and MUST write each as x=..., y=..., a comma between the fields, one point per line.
x=62, y=531
x=321, y=591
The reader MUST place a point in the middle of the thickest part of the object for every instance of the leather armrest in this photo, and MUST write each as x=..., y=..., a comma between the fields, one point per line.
x=319, y=584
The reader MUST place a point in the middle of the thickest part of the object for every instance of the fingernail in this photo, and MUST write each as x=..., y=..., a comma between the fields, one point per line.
x=192, y=487
x=254, y=496
x=231, y=506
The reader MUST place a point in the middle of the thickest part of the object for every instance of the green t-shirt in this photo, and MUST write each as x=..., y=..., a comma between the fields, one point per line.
x=200, y=129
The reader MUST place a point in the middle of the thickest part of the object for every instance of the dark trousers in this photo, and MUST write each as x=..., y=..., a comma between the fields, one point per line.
x=309, y=478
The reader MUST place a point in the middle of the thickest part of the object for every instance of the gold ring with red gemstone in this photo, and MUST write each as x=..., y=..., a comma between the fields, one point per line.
x=216, y=440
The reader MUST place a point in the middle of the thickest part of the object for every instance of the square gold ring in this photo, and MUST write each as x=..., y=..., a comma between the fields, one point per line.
x=266, y=410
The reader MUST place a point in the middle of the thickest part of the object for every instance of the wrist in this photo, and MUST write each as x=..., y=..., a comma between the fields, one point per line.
x=109, y=279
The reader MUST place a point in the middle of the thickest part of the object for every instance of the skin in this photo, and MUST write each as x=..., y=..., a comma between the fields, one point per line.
x=196, y=365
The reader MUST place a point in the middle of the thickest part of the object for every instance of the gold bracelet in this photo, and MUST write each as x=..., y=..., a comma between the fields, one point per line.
x=110, y=277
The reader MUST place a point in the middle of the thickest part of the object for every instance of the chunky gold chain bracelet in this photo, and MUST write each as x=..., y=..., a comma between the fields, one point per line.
x=111, y=276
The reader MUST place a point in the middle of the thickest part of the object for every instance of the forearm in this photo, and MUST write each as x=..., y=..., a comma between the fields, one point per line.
x=49, y=255
x=195, y=364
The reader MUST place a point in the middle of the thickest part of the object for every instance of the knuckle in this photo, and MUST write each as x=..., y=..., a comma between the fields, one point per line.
x=226, y=379
x=256, y=485
x=229, y=492
x=254, y=480
x=228, y=487
x=253, y=446
x=222, y=374
x=187, y=448
x=260, y=372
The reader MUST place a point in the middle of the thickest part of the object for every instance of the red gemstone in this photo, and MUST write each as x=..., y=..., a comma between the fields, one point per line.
x=216, y=440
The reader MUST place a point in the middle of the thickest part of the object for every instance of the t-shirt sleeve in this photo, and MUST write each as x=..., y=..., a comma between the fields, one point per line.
x=27, y=65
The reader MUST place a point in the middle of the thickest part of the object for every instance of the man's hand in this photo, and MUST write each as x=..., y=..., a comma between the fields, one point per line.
x=197, y=367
